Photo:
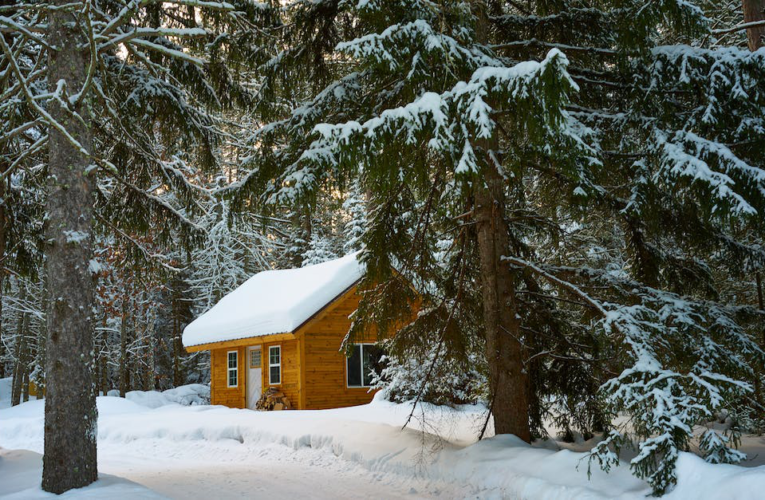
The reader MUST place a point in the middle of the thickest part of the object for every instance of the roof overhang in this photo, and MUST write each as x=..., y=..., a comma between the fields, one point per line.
x=248, y=341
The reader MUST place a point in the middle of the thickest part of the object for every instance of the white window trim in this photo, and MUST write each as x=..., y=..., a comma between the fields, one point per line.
x=347, y=359
x=271, y=365
x=235, y=369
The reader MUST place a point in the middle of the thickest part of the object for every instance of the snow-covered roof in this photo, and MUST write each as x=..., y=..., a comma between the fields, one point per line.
x=274, y=302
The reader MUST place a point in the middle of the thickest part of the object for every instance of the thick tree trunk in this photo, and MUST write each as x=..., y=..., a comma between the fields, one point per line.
x=504, y=352
x=754, y=10
x=70, y=404
x=508, y=381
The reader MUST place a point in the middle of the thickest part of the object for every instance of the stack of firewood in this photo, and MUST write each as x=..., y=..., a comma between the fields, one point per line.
x=273, y=399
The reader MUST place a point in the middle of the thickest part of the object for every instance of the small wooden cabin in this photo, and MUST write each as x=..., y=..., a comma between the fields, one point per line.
x=283, y=330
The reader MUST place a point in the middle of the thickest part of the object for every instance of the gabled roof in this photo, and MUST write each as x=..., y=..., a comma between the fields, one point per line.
x=274, y=302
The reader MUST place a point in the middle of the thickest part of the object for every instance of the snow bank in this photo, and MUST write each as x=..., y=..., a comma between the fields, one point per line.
x=21, y=472
x=274, y=302
x=186, y=395
x=702, y=481
x=369, y=437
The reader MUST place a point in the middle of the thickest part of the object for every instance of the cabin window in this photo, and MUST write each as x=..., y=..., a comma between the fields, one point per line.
x=233, y=368
x=255, y=358
x=275, y=365
x=364, y=361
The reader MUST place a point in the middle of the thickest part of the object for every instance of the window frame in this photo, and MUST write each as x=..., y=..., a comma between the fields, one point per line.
x=229, y=369
x=260, y=358
x=347, y=360
x=279, y=364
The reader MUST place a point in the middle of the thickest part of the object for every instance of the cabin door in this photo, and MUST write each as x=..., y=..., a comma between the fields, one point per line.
x=254, y=377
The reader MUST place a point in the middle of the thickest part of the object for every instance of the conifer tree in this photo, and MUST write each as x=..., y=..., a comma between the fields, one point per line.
x=589, y=196
x=126, y=108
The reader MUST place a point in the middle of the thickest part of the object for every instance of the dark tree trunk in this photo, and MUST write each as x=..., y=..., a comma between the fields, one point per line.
x=20, y=368
x=25, y=385
x=754, y=10
x=18, y=371
x=70, y=404
x=760, y=302
x=2, y=267
x=177, y=346
x=124, y=374
x=508, y=381
x=504, y=352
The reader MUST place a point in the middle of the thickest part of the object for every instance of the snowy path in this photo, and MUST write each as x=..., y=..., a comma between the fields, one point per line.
x=269, y=477
x=212, y=452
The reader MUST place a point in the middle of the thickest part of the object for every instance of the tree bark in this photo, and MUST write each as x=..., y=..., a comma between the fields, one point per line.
x=70, y=404
x=124, y=374
x=504, y=352
x=21, y=351
x=754, y=10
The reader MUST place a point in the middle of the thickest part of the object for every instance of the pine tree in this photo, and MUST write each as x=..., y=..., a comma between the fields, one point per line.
x=600, y=188
x=127, y=106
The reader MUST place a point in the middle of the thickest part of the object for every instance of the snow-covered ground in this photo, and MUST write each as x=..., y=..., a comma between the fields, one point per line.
x=216, y=452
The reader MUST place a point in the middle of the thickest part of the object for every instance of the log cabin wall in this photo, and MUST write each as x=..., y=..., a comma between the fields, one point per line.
x=220, y=392
x=290, y=384
x=324, y=375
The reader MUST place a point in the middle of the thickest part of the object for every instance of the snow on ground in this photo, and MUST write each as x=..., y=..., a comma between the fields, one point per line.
x=187, y=395
x=20, y=471
x=212, y=451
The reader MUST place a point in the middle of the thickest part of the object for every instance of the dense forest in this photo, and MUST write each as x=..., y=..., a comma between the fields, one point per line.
x=573, y=190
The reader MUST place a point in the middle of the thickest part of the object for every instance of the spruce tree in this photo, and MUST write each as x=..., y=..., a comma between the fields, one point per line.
x=602, y=201
x=127, y=120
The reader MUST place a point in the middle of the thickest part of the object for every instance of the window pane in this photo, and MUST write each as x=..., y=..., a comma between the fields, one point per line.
x=274, y=377
x=354, y=367
x=372, y=364
x=255, y=358
x=232, y=360
x=274, y=355
x=232, y=378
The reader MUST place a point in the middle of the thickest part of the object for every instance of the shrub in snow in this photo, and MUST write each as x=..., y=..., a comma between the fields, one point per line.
x=186, y=395
x=438, y=381
x=716, y=447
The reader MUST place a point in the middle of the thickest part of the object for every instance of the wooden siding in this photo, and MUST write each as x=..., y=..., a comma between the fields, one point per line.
x=324, y=365
x=220, y=392
x=290, y=384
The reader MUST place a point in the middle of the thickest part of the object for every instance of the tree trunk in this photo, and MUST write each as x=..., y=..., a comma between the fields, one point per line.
x=25, y=385
x=177, y=346
x=18, y=370
x=2, y=267
x=504, y=352
x=508, y=382
x=21, y=351
x=760, y=302
x=754, y=10
x=124, y=365
x=70, y=404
